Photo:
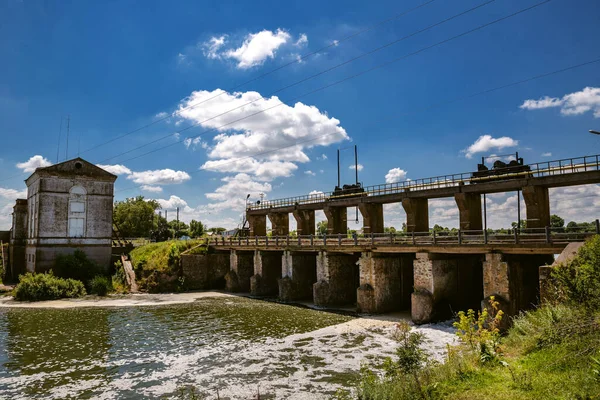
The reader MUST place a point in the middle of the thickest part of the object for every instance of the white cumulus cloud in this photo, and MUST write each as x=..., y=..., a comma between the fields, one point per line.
x=160, y=176
x=213, y=45
x=309, y=172
x=257, y=47
x=232, y=194
x=548, y=154
x=116, y=169
x=575, y=103
x=34, y=162
x=360, y=167
x=13, y=194
x=152, y=189
x=395, y=175
x=487, y=142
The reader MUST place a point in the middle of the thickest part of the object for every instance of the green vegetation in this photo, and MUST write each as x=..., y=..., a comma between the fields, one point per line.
x=156, y=265
x=135, y=217
x=119, y=281
x=36, y=287
x=75, y=266
x=100, y=285
x=552, y=352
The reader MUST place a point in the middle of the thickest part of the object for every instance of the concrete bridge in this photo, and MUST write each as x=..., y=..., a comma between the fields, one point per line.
x=432, y=275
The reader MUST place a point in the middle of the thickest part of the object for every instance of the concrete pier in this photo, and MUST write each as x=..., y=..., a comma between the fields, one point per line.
x=372, y=217
x=280, y=224
x=337, y=279
x=298, y=274
x=417, y=214
x=537, y=202
x=267, y=272
x=337, y=220
x=469, y=207
x=241, y=269
x=385, y=282
x=445, y=284
x=305, y=222
x=258, y=225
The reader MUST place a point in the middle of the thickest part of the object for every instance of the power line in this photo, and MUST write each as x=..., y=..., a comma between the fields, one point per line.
x=435, y=105
x=313, y=76
x=295, y=61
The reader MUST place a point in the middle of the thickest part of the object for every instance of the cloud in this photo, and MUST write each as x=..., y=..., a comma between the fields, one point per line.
x=257, y=47
x=160, y=176
x=193, y=142
x=263, y=171
x=548, y=154
x=309, y=172
x=150, y=188
x=395, y=175
x=232, y=194
x=116, y=169
x=13, y=194
x=34, y=162
x=172, y=203
x=302, y=40
x=322, y=157
x=213, y=45
x=487, y=142
x=360, y=167
x=575, y=103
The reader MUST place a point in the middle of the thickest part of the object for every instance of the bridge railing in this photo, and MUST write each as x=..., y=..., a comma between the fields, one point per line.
x=536, y=170
x=546, y=235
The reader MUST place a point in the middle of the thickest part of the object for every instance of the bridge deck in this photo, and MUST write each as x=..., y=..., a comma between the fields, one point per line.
x=568, y=172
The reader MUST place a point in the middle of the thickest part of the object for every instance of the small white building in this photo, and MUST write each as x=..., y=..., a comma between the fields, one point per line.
x=69, y=207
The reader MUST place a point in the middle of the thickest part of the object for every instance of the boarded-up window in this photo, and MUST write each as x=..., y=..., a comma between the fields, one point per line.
x=77, y=207
x=76, y=227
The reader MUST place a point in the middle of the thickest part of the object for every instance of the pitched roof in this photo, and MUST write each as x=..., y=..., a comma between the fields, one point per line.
x=75, y=167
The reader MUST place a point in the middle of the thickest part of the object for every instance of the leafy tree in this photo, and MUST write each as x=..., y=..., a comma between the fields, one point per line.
x=321, y=227
x=404, y=228
x=556, y=221
x=217, y=230
x=135, y=217
x=196, y=228
x=161, y=231
x=523, y=225
x=390, y=229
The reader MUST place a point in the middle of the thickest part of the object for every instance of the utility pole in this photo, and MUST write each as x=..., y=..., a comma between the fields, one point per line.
x=68, y=128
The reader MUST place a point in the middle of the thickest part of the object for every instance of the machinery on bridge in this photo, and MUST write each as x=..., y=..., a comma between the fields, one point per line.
x=499, y=169
x=351, y=190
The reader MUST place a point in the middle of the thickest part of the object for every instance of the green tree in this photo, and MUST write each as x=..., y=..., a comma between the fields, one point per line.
x=556, y=221
x=321, y=227
x=523, y=224
x=161, y=231
x=179, y=229
x=135, y=217
x=390, y=229
x=196, y=228
x=217, y=230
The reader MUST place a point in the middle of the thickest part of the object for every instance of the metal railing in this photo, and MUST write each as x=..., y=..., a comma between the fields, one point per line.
x=537, y=170
x=532, y=236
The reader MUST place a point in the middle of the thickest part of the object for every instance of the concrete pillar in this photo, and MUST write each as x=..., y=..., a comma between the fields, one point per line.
x=18, y=240
x=258, y=224
x=372, y=217
x=385, y=282
x=241, y=269
x=337, y=279
x=337, y=220
x=537, y=202
x=445, y=284
x=298, y=274
x=280, y=224
x=513, y=280
x=267, y=272
x=305, y=221
x=417, y=215
x=469, y=207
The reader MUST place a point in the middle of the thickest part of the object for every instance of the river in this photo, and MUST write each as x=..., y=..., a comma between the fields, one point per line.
x=153, y=347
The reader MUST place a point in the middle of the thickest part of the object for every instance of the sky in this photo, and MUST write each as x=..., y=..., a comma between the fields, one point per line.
x=197, y=104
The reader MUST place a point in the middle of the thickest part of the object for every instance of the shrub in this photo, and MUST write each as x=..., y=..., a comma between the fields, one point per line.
x=76, y=266
x=100, y=285
x=35, y=287
x=578, y=281
x=119, y=281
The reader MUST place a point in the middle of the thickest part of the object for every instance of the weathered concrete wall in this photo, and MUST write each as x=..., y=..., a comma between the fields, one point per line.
x=305, y=222
x=372, y=217
x=267, y=272
x=513, y=280
x=469, y=208
x=417, y=214
x=537, y=203
x=18, y=240
x=445, y=284
x=298, y=274
x=337, y=220
x=258, y=225
x=241, y=270
x=280, y=224
x=385, y=282
x=204, y=271
x=338, y=279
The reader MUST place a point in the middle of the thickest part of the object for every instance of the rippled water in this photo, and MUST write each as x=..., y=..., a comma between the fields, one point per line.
x=234, y=345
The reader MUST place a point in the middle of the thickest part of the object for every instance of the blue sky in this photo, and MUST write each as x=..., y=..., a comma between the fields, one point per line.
x=115, y=67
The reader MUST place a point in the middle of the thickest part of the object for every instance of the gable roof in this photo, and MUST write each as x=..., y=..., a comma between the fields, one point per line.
x=77, y=167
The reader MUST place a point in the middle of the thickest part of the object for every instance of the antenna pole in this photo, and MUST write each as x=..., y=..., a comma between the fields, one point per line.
x=356, y=162
x=338, y=163
x=59, y=133
x=68, y=128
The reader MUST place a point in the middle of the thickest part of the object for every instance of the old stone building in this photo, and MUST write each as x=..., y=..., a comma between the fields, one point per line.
x=69, y=206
